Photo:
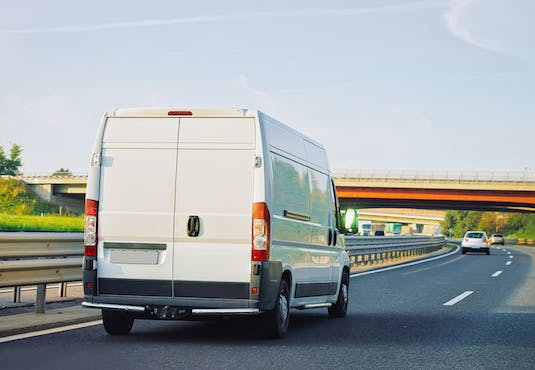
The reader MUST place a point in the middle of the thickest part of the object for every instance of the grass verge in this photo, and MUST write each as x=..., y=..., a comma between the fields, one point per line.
x=41, y=223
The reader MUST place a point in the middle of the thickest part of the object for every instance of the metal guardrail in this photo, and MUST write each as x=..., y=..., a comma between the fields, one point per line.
x=39, y=258
x=364, y=250
x=520, y=241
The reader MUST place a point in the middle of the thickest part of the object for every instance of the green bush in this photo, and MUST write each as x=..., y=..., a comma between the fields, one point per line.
x=9, y=222
x=16, y=199
x=521, y=225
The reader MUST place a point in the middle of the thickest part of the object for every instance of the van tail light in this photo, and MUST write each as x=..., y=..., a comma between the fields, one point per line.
x=485, y=241
x=260, y=232
x=466, y=240
x=90, y=228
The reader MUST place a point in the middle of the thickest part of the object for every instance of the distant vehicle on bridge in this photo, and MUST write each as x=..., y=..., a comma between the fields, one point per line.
x=393, y=228
x=210, y=212
x=365, y=228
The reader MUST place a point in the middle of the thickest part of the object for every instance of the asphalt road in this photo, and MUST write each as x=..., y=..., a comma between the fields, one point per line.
x=398, y=319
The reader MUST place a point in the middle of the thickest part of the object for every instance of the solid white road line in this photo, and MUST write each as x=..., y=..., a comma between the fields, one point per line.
x=497, y=273
x=405, y=264
x=508, y=263
x=459, y=298
x=49, y=331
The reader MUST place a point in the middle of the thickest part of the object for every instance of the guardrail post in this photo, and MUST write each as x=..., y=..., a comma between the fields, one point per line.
x=62, y=290
x=16, y=294
x=40, y=298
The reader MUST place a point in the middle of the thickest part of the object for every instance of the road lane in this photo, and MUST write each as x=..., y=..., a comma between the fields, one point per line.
x=396, y=320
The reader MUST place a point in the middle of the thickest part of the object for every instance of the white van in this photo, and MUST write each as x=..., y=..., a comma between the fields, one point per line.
x=210, y=212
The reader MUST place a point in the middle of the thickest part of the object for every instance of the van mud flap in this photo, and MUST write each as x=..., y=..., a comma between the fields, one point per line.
x=269, y=284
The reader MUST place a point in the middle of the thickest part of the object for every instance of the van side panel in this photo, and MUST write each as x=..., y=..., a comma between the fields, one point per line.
x=300, y=213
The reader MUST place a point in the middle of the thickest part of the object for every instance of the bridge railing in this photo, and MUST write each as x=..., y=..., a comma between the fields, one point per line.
x=366, y=250
x=490, y=176
x=38, y=259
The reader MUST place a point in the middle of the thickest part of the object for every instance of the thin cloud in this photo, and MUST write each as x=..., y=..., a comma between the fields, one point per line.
x=400, y=7
x=455, y=17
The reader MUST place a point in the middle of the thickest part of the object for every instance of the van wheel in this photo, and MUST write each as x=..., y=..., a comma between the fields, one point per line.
x=276, y=320
x=117, y=322
x=339, y=309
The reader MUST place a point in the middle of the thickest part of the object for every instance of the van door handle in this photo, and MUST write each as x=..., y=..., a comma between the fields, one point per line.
x=194, y=226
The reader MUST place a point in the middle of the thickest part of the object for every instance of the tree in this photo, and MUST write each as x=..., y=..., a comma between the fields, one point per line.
x=489, y=223
x=11, y=166
x=461, y=221
x=449, y=222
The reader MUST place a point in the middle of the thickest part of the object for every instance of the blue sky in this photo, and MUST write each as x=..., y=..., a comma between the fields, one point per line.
x=428, y=85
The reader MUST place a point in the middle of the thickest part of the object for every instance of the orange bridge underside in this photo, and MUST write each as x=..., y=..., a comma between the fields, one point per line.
x=440, y=198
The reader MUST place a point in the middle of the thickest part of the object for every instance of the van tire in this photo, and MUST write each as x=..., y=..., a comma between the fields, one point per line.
x=339, y=309
x=276, y=320
x=117, y=322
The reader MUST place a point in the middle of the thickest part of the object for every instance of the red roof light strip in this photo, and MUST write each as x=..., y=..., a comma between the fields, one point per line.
x=179, y=113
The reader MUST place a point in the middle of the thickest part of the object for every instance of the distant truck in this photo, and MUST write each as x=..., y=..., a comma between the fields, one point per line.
x=365, y=228
x=392, y=228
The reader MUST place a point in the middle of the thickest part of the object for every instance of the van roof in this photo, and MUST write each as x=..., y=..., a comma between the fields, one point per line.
x=191, y=112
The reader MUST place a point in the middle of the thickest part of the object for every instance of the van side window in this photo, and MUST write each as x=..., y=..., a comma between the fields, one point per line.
x=291, y=188
x=336, y=209
x=320, y=206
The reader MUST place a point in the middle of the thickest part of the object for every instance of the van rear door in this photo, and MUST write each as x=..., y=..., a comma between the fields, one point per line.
x=136, y=206
x=213, y=208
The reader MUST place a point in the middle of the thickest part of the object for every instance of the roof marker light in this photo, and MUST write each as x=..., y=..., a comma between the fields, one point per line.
x=179, y=113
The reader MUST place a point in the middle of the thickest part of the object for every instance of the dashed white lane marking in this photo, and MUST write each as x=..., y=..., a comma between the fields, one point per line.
x=510, y=256
x=49, y=331
x=504, y=250
x=459, y=298
x=508, y=252
x=405, y=264
x=508, y=263
x=497, y=273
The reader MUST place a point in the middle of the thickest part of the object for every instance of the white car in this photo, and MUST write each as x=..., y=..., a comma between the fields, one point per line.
x=497, y=239
x=475, y=241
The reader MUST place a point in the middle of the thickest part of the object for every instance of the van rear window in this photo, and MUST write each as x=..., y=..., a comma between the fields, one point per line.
x=475, y=235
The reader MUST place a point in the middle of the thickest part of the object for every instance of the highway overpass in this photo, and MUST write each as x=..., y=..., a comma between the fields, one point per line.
x=490, y=191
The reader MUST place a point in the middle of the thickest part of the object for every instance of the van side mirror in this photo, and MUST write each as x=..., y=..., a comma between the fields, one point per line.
x=332, y=236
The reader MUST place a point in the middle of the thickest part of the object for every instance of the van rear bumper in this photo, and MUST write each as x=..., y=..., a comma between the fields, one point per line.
x=122, y=302
x=194, y=311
